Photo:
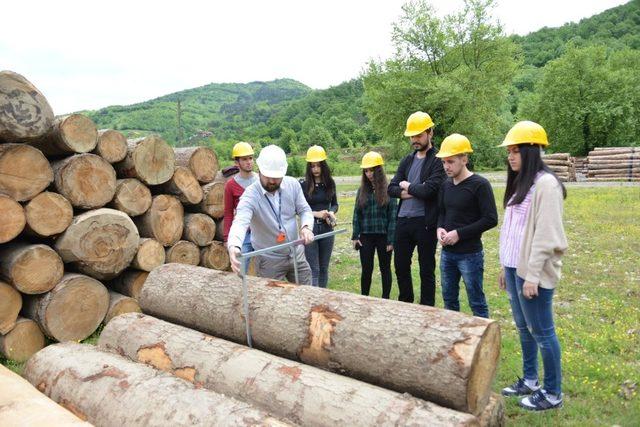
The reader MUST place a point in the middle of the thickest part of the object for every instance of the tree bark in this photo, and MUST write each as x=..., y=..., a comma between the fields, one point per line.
x=129, y=283
x=86, y=180
x=306, y=395
x=111, y=146
x=446, y=357
x=70, y=134
x=150, y=255
x=607, y=151
x=215, y=256
x=184, y=185
x=22, y=405
x=22, y=341
x=72, y=310
x=164, y=221
x=131, y=197
x=199, y=229
x=10, y=305
x=48, y=214
x=13, y=219
x=120, y=304
x=24, y=172
x=614, y=165
x=213, y=201
x=31, y=269
x=26, y=114
x=493, y=414
x=183, y=252
x=149, y=159
x=82, y=376
x=202, y=161
x=100, y=243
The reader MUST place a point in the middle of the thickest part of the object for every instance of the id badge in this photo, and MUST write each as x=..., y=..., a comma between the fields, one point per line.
x=281, y=237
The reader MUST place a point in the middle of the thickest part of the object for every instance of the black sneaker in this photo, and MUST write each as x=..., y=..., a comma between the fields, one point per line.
x=520, y=388
x=538, y=401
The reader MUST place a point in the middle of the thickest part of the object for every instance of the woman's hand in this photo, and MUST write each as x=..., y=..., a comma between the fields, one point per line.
x=389, y=248
x=502, y=283
x=530, y=290
x=321, y=214
x=356, y=243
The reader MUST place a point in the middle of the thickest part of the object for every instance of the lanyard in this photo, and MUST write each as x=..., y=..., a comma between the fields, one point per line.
x=277, y=216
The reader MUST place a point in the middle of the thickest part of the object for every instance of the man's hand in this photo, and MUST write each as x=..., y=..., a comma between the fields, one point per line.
x=530, y=290
x=451, y=238
x=502, y=283
x=405, y=195
x=405, y=185
x=440, y=232
x=306, y=235
x=234, y=252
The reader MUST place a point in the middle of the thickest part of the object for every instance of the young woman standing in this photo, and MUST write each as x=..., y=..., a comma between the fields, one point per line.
x=532, y=242
x=374, y=223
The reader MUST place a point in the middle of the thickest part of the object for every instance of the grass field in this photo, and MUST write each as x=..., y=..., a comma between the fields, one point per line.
x=597, y=307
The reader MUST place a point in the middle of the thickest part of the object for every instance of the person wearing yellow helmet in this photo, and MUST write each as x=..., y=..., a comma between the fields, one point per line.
x=532, y=242
x=374, y=222
x=466, y=209
x=417, y=183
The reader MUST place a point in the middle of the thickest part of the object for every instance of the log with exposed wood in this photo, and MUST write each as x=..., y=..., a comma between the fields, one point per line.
x=70, y=134
x=557, y=163
x=184, y=185
x=614, y=165
x=163, y=221
x=72, y=310
x=24, y=171
x=607, y=151
x=30, y=268
x=88, y=181
x=21, y=404
x=150, y=255
x=213, y=201
x=13, y=218
x=129, y=283
x=131, y=197
x=622, y=157
x=48, y=214
x=442, y=356
x=149, y=159
x=10, y=305
x=613, y=178
x=202, y=161
x=26, y=114
x=100, y=243
x=22, y=341
x=215, y=256
x=183, y=252
x=120, y=304
x=199, y=229
x=308, y=395
x=620, y=172
x=556, y=156
x=111, y=146
x=138, y=395
x=494, y=413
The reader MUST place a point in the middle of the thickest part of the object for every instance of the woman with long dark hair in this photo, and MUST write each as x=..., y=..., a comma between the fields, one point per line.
x=319, y=189
x=374, y=223
x=532, y=242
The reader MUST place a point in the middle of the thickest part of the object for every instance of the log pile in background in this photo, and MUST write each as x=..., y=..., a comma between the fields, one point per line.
x=614, y=164
x=562, y=164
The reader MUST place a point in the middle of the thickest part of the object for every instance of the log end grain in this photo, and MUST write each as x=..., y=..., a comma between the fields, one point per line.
x=154, y=160
x=32, y=269
x=130, y=283
x=164, y=221
x=199, y=229
x=150, y=255
x=86, y=180
x=120, y=304
x=131, y=197
x=111, y=146
x=13, y=219
x=483, y=368
x=24, y=340
x=213, y=200
x=10, y=305
x=186, y=186
x=183, y=252
x=48, y=214
x=215, y=256
x=24, y=171
x=78, y=133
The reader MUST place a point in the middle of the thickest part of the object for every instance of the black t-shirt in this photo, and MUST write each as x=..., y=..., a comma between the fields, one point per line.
x=468, y=207
x=320, y=200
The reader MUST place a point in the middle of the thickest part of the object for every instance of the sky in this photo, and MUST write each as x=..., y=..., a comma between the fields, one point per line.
x=88, y=55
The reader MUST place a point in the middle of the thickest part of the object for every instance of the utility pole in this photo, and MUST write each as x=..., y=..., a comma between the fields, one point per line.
x=179, y=113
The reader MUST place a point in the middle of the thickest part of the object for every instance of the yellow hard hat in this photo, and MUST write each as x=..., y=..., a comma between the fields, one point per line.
x=417, y=123
x=371, y=160
x=453, y=145
x=525, y=132
x=242, y=149
x=315, y=153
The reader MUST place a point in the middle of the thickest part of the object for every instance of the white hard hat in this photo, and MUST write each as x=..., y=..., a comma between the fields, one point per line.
x=272, y=162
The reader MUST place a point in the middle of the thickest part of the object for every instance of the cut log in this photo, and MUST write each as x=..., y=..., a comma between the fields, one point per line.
x=26, y=114
x=72, y=310
x=202, y=161
x=219, y=229
x=111, y=146
x=184, y=185
x=48, y=214
x=86, y=180
x=607, y=151
x=493, y=414
x=164, y=221
x=24, y=171
x=183, y=252
x=615, y=157
x=612, y=179
x=551, y=162
x=620, y=172
x=215, y=256
x=13, y=218
x=131, y=197
x=199, y=229
x=307, y=395
x=443, y=356
x=10, y=305
x=100, y=243
x=614, y=165
x=22, y=405
x=213, y=201
x=82, y=376
x=31, y=269
x=120, y=304
x=22, y=342
x=150, y=159
x=129, y=283
x=150, y=255
x=70, y=134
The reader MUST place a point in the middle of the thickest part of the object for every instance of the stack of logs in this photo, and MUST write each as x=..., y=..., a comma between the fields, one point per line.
x=614, y=164
x=82, y=209
x=562, y=164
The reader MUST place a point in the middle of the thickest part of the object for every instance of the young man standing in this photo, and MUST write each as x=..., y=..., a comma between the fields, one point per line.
x=467, y=208
x=416, y=184
x=242, y=154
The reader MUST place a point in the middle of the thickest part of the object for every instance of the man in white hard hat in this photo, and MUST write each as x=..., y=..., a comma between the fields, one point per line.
x=269, y=206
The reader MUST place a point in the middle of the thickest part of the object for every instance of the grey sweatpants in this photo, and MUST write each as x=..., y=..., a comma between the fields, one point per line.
x=282, y=268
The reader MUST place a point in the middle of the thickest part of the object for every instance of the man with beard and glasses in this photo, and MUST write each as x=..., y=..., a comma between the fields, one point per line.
x=417, y=183
x=269, y=206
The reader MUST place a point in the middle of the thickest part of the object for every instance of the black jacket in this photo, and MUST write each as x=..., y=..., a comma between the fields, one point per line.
x=431, y=177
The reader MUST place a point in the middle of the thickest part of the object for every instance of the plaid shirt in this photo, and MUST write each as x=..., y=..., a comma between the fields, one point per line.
x=375, y=219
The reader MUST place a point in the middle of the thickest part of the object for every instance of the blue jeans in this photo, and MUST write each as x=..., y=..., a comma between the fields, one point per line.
x=534, y=320
x=471, y=268
x=318, y=255
x=246, y=244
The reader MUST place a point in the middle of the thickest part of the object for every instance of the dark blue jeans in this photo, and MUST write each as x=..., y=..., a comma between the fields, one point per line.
x=534, y=320
x=318, y=255
x=471, y=268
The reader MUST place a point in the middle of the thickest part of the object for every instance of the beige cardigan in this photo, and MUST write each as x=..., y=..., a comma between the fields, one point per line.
x=544, y=241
